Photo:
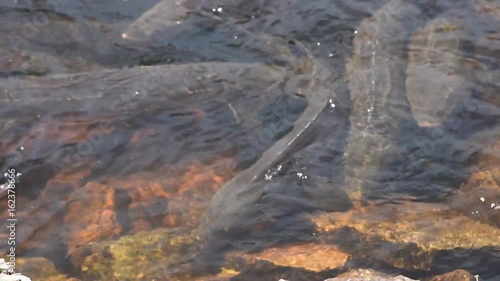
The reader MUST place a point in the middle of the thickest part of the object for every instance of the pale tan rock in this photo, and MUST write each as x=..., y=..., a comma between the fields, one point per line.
x=309, y=256
x=367, y=275
x=457, y=275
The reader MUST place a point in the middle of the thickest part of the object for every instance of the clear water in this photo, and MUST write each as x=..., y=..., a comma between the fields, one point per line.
x=121, y=145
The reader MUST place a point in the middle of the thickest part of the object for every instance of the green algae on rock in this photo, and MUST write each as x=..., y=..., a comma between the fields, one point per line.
x=159, y=254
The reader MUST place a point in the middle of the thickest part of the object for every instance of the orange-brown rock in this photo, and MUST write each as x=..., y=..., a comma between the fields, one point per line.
x=309, y=256
x=90, y=216
x=176, y=200
x=195, y=188
x=457, y=275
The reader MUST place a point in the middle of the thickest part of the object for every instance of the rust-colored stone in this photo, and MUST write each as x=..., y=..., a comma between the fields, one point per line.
x=90, y=216
x=177, y=200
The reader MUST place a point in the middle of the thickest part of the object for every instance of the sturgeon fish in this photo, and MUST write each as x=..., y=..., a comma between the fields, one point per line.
x=380, y=115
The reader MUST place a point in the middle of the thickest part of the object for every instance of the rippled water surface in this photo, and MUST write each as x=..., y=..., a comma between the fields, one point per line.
x=131, y=128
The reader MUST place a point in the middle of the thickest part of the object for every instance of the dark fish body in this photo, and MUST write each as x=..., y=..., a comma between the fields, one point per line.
x=376, y=78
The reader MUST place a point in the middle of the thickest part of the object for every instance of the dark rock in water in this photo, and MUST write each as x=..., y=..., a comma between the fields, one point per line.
x=256, y=203
x=479, y=196
x=37, y=42
x=405, y=236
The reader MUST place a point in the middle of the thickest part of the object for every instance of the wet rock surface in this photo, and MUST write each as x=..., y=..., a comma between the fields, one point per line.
x=144, y=256
x=42, y=269
x=437, y=77
x=366, y=274
x=127, y=211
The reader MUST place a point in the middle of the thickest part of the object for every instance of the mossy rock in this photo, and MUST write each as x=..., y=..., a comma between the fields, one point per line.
x=142, y=256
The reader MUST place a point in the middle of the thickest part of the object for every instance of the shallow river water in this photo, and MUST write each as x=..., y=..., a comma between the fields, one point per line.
x=129, y=130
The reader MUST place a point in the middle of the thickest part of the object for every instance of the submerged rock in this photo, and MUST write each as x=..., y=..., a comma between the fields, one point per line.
x=159, y=254
x=40, y=269
x=310, y=256
x=437, y=76
x=412, y=236
x=367, y=275
x=457, y=275
x=373, y=275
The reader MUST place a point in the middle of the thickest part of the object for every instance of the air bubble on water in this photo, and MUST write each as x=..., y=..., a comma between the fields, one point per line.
x=22, y=148
x=318, y=43
x=269, y=175
x=137, y=93
x=301, y=175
